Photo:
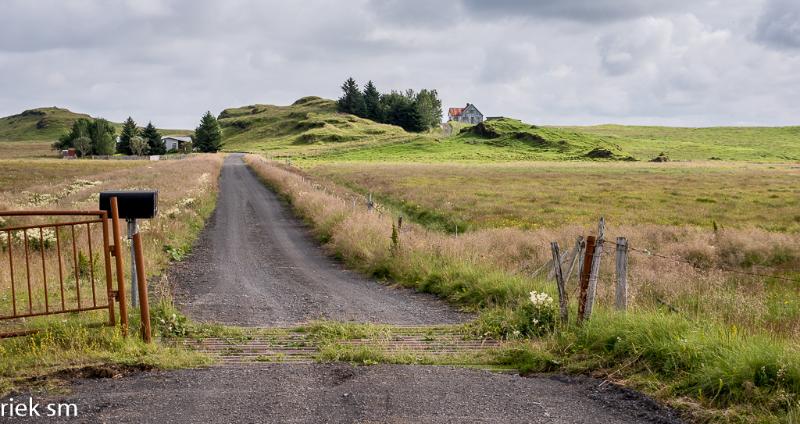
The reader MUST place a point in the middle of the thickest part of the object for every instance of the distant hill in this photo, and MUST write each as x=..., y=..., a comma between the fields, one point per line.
x=311, y=128
x=40, y=124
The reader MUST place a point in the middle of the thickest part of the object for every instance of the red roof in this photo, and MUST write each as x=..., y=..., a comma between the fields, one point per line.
x=455, y=111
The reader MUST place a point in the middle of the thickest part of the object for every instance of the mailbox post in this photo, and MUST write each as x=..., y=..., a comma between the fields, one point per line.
x=133, y=205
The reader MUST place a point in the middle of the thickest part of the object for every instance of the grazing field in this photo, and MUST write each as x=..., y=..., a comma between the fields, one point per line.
x=700, y=330
x=765, y=144
x=27, y=149
x=549, y=195
x=187, y=194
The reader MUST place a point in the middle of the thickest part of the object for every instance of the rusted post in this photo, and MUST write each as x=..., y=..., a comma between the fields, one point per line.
x=123, y=306
x=562, y=291
x=585, y=271
x=112, y=321
x=621, y=298
x=597, y=256
x=144, y=308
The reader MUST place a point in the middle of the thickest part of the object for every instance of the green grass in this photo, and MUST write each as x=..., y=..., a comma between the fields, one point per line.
x=764, y=144
x=46, y=123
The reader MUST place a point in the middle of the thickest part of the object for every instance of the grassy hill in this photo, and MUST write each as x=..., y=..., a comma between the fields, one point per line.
x=763, y=144
x=46, y=123
x=311, y=128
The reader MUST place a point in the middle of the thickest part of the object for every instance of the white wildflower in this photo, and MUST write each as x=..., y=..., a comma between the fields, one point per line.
x=541, y=299
x=187, y=202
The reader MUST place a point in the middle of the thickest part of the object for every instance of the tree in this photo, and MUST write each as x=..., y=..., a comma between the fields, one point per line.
x=372, y=103
x=102, y=134
x=208, y=136
x=139, y=146
x=80, y=128
x=429, y=108
x=401, y=110
x=129, y=131
x=153, y=137
x=352, y=101
x=83, y=145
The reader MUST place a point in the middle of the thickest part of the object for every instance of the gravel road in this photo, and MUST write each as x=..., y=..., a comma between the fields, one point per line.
x=255, y=264
x=341, y=393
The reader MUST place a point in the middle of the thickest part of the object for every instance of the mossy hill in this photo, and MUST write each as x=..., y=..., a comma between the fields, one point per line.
x=311, y=128
x=40, y=124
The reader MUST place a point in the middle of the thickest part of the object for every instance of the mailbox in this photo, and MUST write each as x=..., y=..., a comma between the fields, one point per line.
x=131, y=204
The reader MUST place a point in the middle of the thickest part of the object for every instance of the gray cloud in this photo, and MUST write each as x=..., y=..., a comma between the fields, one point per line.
x=779, y=24
x=628, y=61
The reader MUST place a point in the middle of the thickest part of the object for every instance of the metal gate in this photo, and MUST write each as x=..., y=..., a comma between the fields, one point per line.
x=58, y=262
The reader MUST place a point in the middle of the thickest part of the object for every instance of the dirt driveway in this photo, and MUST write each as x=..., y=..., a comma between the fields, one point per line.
x=255, y=264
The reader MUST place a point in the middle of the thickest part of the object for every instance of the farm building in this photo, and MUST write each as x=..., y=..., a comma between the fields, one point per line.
x=468, y=114
x=174, y=142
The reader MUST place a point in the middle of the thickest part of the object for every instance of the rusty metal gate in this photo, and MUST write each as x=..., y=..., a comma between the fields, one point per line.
x=59, y=262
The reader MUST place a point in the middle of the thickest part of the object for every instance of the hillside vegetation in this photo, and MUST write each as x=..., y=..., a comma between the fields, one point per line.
x=311, y=128
x=763, y=144
x=46, y=123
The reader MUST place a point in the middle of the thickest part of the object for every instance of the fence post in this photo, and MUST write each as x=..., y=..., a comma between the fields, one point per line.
x=595, y=269
x=370, y=203
x=144, y=307
x=575, y=257
x=586, y=269
x=121, y=296
x=621, y=298
x=562, y=291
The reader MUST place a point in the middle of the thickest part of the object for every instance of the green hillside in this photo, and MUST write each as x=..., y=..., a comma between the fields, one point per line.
x=763, y=144
x=311, y=128
x=40, y=124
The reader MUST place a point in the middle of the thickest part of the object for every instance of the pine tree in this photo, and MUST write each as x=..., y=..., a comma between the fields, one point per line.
x=153, y=137
x=372, y=103
x=352, y=101
x=129, y=131
x=208, y=136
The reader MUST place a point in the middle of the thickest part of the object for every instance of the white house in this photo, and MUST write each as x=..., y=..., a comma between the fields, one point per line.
x=468, y=114
x=174, y=142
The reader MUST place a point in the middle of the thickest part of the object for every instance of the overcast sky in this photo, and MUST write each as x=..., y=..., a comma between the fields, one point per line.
x=671, y=62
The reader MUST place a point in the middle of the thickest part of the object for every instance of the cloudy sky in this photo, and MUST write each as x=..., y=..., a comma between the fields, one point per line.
x=671, y=62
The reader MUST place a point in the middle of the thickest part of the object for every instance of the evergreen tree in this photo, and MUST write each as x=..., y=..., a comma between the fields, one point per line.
x=129, y=131
x=352, y=101
x=208, y=136
x=153, y=137
x=102, y=134
x=372, y=103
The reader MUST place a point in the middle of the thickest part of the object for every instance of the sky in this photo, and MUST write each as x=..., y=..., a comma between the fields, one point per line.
x=556, y=62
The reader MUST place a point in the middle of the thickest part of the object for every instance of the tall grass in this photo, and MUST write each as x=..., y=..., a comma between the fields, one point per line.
x=713, y=354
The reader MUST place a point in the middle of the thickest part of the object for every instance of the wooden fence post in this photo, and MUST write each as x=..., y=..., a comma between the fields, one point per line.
x=595, y=269
x=562, y=291
x=586, y=270
x=621, y=298
x=574, y=257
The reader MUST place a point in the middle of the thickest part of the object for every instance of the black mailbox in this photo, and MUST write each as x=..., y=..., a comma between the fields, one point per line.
x=131, y=204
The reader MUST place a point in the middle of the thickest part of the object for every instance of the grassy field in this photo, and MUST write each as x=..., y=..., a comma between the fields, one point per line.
x=724, y=349
x=766, y=144
x=534, y=195
x=187, y=194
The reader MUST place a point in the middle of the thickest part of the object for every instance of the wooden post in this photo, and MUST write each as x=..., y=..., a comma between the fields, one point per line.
x=621, y=298
x=561, y=259
x=370, y=204
x=586, y=269
x=144, y=307
x=595, y=269
x=575, y=257
x=562, y=290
